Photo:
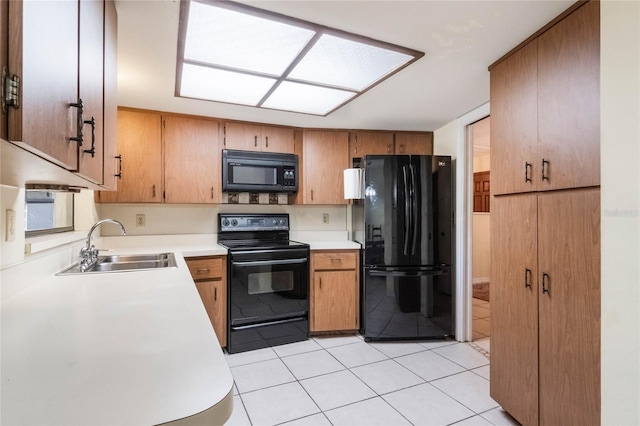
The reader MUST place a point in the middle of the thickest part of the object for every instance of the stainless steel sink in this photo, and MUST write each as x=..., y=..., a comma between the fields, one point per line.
x=126, y=263
x=121, y=258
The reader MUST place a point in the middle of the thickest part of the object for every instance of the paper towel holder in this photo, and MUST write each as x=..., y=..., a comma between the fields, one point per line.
x=353, y=184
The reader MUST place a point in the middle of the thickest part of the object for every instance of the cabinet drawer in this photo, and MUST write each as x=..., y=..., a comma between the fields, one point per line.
x=334, y=261
x=206, y=268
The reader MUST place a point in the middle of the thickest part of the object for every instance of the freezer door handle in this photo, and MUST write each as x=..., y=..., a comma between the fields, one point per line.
x=407, y=211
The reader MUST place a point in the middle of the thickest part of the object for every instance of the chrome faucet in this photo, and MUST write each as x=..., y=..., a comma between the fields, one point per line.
x=89, y=253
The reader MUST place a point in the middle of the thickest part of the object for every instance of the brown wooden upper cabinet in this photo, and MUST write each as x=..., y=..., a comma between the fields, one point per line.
x=414, y=143
x=255, y=137
x=545, y=125
x=363, y=143
x=167, y=158
x=47, y=117
x=370, y=143
x=325, y=155
x=140, y=148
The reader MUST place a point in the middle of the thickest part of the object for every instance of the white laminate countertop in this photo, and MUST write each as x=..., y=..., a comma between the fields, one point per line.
x=118, y=348
x=114, y=348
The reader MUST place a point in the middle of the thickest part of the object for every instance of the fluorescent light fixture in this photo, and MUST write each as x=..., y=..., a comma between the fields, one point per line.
x=233, y=53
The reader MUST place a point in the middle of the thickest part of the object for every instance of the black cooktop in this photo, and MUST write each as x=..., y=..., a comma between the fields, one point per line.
x=255, y=232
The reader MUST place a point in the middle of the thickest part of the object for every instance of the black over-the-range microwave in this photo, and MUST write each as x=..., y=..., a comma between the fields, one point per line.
x=248, y=171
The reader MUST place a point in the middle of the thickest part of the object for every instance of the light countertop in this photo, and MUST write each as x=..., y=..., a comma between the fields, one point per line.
x=115, y=348
x=118, y=348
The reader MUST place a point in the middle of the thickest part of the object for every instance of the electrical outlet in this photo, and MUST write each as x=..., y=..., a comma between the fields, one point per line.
x=140, y=220
x=10, y=232
x=325, y=217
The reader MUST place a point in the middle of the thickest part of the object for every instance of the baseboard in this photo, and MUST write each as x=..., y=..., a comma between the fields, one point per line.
x=481, y=280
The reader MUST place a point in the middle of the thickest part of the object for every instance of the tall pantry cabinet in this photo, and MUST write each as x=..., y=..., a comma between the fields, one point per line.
x=545, y=224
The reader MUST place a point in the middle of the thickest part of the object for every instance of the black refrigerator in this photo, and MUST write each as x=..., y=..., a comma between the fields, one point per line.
x=405, y=227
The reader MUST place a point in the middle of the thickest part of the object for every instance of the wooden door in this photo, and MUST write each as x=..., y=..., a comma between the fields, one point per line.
x=569, y=101
x=514, y=306
x=514, y=122
x=277, y=139
x=335, y=298
x=481, y=191
x=246, y=137
x=111, y=163
x=213, y=295
x=140, y=144
x=192, y=160
x=325, y=156
x=43, y=52
x=569, y=273
x=91, y=86
x=371, y=143
x=414, y=143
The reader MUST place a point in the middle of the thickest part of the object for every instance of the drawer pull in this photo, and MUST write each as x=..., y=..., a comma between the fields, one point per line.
x=203, y=270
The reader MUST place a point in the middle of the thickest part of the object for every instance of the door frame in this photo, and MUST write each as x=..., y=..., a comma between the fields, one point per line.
x=464, y=221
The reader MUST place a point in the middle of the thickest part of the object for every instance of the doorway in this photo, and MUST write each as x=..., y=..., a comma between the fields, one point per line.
x=479, y=133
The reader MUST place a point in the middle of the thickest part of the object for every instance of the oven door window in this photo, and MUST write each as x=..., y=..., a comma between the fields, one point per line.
x=264, y=289
x=271, y=282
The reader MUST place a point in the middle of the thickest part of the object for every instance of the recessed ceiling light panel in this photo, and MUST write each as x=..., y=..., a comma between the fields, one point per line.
x=228, y=38
x=230, y=52
x=346, y=63
x=290, y=96
x=223, y=86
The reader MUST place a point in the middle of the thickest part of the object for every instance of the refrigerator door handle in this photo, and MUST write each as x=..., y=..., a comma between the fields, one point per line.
x=407, y=210
x=415, y=215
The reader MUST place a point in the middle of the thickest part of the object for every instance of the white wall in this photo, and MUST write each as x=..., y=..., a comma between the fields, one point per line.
x=482, y=163
x=13, y=199
x=620, y=198
x=481, y=257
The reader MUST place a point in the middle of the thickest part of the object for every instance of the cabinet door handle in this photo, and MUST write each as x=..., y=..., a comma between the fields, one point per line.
x=545, y=283
x=320, y=283
x=266, y=138
x=215, y=294
x=255, y=140
x=92, y=151
x=153, y=191
x=388, y=148
x=544, y=170
x=119, y=175
x=212, y=192
x=79, y=137
x=312, y=195
x=527, y=278
x=527, y=167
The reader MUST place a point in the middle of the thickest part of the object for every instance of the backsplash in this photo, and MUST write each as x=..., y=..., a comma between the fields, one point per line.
x=167, y=219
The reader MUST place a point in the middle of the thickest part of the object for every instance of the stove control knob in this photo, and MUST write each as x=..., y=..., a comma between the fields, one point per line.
x=225, y=222
x=275, y=221
x=234, y=222
x=281, y=222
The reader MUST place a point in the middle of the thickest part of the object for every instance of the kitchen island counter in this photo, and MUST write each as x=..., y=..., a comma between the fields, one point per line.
x=114, y=348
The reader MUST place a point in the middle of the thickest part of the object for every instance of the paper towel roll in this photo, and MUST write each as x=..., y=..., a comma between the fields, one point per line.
x=353, y=183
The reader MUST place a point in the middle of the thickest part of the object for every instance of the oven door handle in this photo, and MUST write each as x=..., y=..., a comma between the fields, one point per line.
x=262, y=324
x=269, y=262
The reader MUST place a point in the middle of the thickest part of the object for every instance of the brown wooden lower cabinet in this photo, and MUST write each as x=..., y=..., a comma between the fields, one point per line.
x=335, y=290
x=210, y=276
x=545, y=306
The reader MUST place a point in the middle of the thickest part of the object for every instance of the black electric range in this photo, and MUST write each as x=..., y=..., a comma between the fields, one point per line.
x=268, y=281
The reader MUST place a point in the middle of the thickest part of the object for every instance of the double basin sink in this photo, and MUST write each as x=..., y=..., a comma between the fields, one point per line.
x=126, y=263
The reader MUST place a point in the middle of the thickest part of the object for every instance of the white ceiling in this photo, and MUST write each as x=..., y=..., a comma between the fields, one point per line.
x=460, y=40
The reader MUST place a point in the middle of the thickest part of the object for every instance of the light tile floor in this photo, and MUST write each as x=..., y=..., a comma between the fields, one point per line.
x=481, y=319
x=346, y=381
